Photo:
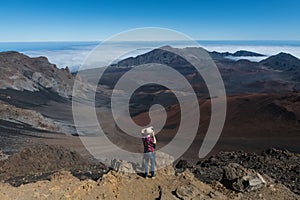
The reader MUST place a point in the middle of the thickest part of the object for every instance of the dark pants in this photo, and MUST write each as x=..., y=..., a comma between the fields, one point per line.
x=149, y=156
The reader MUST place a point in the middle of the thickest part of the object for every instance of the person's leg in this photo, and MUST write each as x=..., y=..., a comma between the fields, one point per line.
x=146, y=161
x=153, y=164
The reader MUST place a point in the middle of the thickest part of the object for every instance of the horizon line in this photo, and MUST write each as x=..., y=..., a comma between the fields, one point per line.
x=212, y=40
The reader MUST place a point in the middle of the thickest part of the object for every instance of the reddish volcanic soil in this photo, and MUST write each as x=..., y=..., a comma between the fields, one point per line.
x=254, y=122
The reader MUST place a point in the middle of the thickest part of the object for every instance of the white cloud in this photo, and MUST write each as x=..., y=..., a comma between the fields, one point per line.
x=62, y=58
x=251, y=58
x=74, y=56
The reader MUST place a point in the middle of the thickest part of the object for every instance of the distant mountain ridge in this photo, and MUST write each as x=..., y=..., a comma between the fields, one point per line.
x=239, y=53
x=161, y=55
x=155, y=56
x=282, y=61
x=21, y=72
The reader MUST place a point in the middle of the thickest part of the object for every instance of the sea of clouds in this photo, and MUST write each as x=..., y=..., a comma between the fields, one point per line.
x=73, y=54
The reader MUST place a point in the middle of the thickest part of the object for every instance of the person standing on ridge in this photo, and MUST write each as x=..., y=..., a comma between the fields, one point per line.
x=149, y=142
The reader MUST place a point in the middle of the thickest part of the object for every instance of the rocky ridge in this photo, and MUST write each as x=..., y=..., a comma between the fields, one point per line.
x=21, y=72
x=52, y=181
x=280, y=165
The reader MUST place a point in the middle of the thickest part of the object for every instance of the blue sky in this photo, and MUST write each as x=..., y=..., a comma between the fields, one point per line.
x=64, y=20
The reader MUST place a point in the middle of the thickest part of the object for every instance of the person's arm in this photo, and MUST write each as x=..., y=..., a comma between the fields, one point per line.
x=154, y=138
x=142, y=131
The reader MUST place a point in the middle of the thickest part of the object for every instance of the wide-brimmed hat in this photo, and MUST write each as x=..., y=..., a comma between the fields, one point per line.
x=148, y=130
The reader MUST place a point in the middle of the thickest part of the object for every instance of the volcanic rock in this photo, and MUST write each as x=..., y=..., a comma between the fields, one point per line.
x=240, y=179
